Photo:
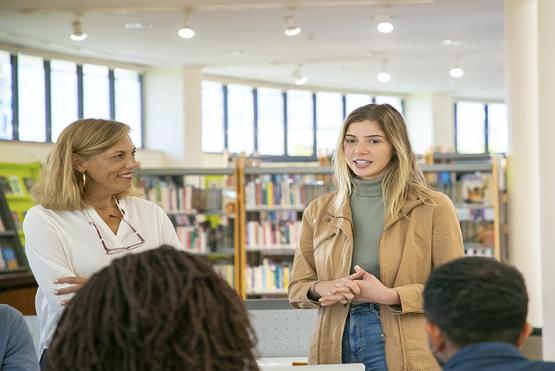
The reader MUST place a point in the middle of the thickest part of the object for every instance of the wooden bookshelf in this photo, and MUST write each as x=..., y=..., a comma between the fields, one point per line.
x=201, y=203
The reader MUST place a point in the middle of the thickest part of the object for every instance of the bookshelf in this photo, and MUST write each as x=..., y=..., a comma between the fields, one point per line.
x=201, y=203
x=259, y=211
x=271, y=212
x=16, y=181
x=477, y=186
x=12, y=256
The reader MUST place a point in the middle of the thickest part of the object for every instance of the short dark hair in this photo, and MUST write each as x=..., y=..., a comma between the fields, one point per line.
x=476, y=299
x=161, y=309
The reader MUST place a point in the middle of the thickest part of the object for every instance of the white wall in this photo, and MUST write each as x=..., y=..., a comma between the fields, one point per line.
x=419, y=119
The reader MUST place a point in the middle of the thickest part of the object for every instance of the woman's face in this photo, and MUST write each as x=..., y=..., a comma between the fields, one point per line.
x=111, y=171
x=367, y=150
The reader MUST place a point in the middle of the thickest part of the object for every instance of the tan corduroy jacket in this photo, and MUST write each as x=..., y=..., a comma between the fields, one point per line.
x=408, y=250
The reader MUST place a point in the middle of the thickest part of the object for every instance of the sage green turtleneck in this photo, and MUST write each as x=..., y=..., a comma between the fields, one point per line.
x=367, y=207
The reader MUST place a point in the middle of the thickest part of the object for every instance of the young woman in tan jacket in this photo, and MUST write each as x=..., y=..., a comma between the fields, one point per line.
x=366, y=250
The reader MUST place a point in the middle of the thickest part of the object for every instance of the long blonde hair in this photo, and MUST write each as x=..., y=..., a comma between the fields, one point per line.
x=60, y=186
x=402, y=177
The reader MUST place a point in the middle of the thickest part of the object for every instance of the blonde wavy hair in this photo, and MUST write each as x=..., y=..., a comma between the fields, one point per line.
x=60, y=187
x=402, y=178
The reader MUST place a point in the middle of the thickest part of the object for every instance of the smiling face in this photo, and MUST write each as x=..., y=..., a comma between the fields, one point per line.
x=110, y=172
x=367, y=150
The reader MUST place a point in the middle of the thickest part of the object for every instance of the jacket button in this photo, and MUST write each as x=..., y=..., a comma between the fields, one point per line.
x=328, y=219
x=383, y=337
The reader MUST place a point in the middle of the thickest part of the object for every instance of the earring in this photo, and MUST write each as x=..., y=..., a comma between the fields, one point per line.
x=84, y=178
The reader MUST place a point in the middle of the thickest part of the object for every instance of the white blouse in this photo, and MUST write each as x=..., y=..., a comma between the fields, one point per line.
x=65, y=244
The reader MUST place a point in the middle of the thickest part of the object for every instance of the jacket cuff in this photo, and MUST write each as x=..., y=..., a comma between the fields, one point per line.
x=411, y=299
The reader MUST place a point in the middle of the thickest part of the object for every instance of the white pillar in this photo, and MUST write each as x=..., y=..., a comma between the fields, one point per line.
x=546, y=70
x=192, y=86
x=521, y=47
x=444, y=121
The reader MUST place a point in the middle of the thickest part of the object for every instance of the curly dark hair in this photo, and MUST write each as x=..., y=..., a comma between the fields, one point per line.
x=477, y=299
x=162, y=309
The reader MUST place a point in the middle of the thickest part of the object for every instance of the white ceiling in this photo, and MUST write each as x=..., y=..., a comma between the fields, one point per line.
x=338, y=48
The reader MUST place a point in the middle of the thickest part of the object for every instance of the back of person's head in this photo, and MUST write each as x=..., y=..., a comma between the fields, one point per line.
x=162, y=309
x=477, y=299
x=402, y=177
x=60, y=186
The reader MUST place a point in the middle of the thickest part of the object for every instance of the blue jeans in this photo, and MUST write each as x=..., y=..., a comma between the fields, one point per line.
x=363, y=339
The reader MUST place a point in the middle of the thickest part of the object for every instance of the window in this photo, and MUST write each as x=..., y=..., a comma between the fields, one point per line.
x=270, y=122
x=240, y=102
x=470, y=124
x=32, y=103
x=329, y=117
x=300, y=123
x=96, y=92
x=63, y=87
x=396, y=102
x=354, y=101
x=127, y=86
x=6, y=116
x=497, y=128
x=212, y=116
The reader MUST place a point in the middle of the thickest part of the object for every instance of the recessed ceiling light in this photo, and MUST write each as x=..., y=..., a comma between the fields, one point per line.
x=186, y=33
x=456, y=72
x=137, y=25
x=385, y=27
x=383, y=77
x=238, y=53
x=291, y=29
x=450, y=42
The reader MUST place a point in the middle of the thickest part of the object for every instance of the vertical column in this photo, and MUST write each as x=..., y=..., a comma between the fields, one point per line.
x=521, y=46
x=546, y=72
x=192, y=88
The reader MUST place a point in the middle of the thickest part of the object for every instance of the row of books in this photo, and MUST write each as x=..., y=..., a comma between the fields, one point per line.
x=476, y=215
x=268, y=234
x=16, y=220
x=473, y=188
x=185, y=199
x=205, y=238
x=11, y=185
x=226, y=272
x=472, y=249
x=267, y=277
x=285, y=190
x=8, y=259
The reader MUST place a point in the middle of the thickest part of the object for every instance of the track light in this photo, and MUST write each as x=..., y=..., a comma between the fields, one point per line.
x=384, y=25
x=291, y=29
x=186, y=32
x=299, y=78
x=77, y=33
x=383, y=75
x=456, y=72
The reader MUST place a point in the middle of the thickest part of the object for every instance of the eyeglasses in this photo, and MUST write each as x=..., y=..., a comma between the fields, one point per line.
x=118, y=249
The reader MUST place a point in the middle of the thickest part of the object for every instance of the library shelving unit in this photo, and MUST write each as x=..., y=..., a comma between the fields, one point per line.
x=16, y=181
x=17, y=285
x=201, y=204
x=271, y=204
x=477, y=186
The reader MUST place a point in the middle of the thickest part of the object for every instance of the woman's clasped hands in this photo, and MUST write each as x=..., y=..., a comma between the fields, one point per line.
x=359, y=286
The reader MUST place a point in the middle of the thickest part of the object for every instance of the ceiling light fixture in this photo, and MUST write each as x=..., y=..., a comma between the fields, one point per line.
x=384, y=25
x=299, y=78
x=77, y=32
x=291, y=29
x=186, y=32
x=456, y=72
x=383, y=75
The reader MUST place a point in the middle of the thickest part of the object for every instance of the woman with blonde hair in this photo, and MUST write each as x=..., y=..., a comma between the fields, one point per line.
x=366, y=250
x=88, y=214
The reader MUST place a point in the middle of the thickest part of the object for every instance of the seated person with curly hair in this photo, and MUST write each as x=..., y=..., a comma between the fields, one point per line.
x=162, y=309
x=476, y=316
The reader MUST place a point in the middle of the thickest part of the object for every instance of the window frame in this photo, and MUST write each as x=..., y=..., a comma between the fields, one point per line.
x=486, y=125
x=286, y=157
x=14, y=64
